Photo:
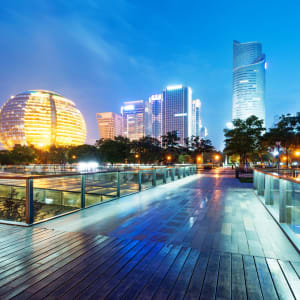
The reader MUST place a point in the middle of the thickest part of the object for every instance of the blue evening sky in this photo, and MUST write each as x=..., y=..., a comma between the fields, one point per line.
x=100, y=53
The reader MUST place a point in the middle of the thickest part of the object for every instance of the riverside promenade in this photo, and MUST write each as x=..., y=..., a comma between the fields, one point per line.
x=204, y=236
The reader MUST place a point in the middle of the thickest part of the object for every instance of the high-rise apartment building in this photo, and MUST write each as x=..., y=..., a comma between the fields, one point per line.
x=196, y=117
x=136, y=119
x=156, y=104
x=177, y=111
x=109, y=125
x=249, y=65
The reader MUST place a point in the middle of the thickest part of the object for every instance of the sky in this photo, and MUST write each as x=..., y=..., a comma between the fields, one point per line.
x=101, y=53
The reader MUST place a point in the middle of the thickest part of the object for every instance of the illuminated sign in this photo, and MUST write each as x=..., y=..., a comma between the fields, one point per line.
x=174, y=87
x=128, y=107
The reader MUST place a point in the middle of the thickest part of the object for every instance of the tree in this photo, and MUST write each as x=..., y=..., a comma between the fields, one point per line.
x=170, y=140
x=244, y=139
x=114, y=151
x=83, y=153
x=23, y=154
x=287, y=132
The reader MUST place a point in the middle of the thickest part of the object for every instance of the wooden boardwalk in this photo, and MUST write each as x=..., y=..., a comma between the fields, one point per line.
x=204, y=237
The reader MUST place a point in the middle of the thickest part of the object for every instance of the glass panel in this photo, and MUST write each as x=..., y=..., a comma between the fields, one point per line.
x=293, y=208
x=55, y=196
x=275, y=197
x=159, y=176
x=129, y=182
x=169, y=175
x=13, y=200
x=100, y=187
x=146, y=177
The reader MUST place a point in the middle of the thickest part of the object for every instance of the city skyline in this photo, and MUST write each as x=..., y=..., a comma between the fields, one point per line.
x=102, y=53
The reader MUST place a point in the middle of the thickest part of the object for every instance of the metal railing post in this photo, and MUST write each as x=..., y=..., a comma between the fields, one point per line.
x=118, y=184
x=153, y=177
x=83, y=177
x=140, y=180
x=29, y=201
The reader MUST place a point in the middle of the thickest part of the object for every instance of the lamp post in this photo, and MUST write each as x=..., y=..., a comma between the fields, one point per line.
x=169, y=158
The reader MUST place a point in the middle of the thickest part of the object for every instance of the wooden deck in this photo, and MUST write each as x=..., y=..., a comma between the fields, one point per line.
x=206, y=236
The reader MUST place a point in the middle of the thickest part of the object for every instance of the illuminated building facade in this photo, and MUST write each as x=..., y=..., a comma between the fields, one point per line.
x=156, y=104
x=109, y=125
x=249, y=65
x=196, y=117
x=41, y=118
x=136, y=119
x=177, y=111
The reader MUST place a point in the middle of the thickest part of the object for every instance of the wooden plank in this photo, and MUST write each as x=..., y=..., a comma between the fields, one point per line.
x=266, y=283
x=252, y=282
x=24, y=282
x=108, y=280
x=238, y=284
x=168, y=282
x=196, y=282
x=211, y=276
x=140, y=281
x=179, y=289
x=132, y=277
x=62, y=279
x=224, y=279
x=292, y=277
x=154, y=283
x=92, y=273
x=282, y=287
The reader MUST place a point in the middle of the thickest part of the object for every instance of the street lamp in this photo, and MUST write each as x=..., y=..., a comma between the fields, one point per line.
x=169, y=158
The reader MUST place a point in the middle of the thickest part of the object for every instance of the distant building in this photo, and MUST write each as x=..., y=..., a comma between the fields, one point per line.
x=203, y=132
x=249, y=65
x=136, y=119
x=156, y=104
x=41, y=118
x=177, y=111
x=196, y=117
x=109, y=125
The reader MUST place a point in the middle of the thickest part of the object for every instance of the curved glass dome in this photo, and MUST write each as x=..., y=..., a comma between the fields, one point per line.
x=41, y=118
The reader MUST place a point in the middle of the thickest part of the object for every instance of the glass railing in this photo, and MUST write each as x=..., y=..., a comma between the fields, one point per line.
x=28, y=199
x=281, y=196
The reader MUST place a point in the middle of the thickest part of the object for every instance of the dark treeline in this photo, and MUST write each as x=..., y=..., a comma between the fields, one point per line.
x=249, y=142
x=120, y=150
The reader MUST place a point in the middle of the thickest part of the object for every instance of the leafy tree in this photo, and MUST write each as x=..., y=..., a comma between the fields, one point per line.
x=6, y=158
x=23, y=154
x=244, y=139
x=83, y=153
x=170, y=140
x=114, y=151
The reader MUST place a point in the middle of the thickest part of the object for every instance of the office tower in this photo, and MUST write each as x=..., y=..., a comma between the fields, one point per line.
x=249, y=65
x=136, y=119
x=177, y=111
x=203, y=132
x=196, y=118
x=42, y=119
x=109, y=125
x=156, y=104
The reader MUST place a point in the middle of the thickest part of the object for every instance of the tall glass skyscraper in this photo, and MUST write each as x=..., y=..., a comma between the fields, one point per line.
x=249, y=65
x=109, y=125
x=136, y=119
x=196, y=117
x=177, y=111
x=156, y=103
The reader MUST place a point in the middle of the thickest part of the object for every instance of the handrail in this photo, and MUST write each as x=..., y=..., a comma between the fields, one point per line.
x=279, y=176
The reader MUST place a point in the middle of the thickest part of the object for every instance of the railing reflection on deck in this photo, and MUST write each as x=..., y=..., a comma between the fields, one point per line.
x=30, y=199
x=281, y=195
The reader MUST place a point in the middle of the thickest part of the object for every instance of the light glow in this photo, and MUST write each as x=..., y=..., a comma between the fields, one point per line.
x=128, y=107
x=174, y=87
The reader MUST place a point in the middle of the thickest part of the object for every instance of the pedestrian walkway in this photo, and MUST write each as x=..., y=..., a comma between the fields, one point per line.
x=204, y=236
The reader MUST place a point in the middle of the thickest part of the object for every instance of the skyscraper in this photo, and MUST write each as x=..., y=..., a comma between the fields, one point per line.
x=177, y=111
x=249, y=66
x=136, y=119
x=156, y=104
x=109, y=125
x=196, y=117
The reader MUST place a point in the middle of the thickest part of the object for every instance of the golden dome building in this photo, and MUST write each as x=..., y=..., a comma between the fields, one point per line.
x=41, y=118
